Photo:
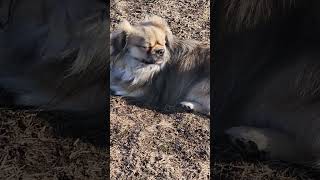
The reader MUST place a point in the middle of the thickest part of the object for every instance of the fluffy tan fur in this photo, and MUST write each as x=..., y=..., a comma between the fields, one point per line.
x=182, y=76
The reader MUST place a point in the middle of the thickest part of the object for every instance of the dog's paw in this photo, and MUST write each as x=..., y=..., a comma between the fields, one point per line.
x=187, y=105
x=195, y=107
x=248, y=141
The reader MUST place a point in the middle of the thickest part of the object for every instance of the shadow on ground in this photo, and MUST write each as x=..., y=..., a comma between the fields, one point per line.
x=44, y=145
x=90, y=129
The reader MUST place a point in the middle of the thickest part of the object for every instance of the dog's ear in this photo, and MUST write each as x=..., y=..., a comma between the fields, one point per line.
x=161, y=23
x=169, y=36
x=169, y=39
x=118, y=39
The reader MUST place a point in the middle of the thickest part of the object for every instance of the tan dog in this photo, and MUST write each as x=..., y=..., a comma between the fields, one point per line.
x=149, y=64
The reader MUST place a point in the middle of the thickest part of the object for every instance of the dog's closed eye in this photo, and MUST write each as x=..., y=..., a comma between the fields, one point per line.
x=142, y=47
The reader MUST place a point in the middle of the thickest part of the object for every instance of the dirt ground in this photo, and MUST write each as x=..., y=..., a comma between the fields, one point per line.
x=37, y=145
x=171, y=144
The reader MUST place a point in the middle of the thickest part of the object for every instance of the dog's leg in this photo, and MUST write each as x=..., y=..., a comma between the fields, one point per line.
x=195, y=106
x=273, y=144
x=198, y=98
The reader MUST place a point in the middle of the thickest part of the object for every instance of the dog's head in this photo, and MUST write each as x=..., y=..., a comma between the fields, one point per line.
x=138, y=52
x=147, y=42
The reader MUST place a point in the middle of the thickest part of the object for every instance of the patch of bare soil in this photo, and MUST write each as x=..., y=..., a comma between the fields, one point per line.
x=170, y=144
x=146, y=143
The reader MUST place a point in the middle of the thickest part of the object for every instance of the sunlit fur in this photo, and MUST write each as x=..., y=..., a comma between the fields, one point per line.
x=182, y=77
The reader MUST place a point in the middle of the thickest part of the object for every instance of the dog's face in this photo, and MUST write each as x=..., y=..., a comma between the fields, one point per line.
x=146, y=42
x=148, y=45
x=138, y=52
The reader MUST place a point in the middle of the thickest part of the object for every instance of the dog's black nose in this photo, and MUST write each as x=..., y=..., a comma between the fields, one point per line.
x=160, y=52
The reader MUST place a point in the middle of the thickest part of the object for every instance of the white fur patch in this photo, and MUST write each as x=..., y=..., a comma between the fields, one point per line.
x=248, y=134
x=188, y=105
